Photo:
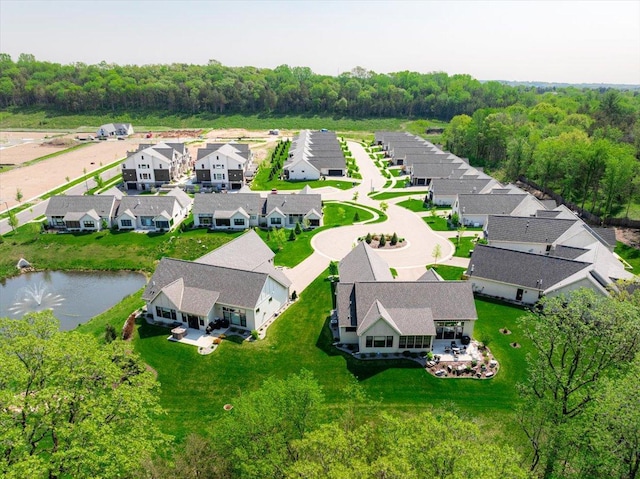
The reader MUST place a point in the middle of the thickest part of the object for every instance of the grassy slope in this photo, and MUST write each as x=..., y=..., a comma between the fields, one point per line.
x=630, y=255
x=105, y=250
x=144, y=120
x=300, y=338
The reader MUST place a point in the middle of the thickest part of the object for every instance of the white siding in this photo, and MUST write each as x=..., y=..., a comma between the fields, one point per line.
x=502, y=290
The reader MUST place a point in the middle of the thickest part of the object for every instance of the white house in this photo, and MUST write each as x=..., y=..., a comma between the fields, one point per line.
x=81, y=212
x=380, y=315
x=223, y=166
x=155, y=213
x=236, y=283
x=115, y=129
x=314, y=154
x=246, y=210
x=155, y=165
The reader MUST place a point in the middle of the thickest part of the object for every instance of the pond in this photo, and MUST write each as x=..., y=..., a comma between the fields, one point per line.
x=74, y=297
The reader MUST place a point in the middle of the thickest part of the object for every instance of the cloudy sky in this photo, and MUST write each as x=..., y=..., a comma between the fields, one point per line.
x=553, y=41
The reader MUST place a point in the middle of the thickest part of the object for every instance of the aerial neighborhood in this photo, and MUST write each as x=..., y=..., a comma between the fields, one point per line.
x=525, y=247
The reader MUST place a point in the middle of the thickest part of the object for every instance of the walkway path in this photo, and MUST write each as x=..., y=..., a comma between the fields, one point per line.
x=335, y=243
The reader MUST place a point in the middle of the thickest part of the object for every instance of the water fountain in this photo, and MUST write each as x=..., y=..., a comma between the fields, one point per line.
x=35, y=297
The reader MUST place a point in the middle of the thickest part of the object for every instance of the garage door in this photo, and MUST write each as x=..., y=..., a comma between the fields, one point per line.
x=335, y=173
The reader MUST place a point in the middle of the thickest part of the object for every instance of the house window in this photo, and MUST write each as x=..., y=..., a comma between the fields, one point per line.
x=201, y=321
x=165, y=313
x=162, y=225
x=145, y=176
x=417, y=342
x=218, y=176
x=235, y=316
x=125, y=223
x=350, y=329
x=219, y=167
x=238, y=221
x=89, y=224
x=379, y=341
x=206, y=220
x=276, y=221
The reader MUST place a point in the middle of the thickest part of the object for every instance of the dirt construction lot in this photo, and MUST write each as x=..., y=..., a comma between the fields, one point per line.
x=37, y=179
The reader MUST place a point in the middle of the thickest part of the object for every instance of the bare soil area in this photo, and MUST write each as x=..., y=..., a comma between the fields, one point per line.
x=628, y=236
x=18, y=154
x=34, y=180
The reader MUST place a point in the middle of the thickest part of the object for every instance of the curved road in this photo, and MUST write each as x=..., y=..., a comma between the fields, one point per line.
x=335, y=243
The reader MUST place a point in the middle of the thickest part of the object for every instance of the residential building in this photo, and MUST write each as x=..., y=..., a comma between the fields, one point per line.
x=314, y=154
x=155, y=165
x=115, y=129
x=81, y=212
x=223, y=166
x=236, y=283
x=474, y=209
x=381, y=315
x=245, y=210
x=156, y=213
x=444, y=191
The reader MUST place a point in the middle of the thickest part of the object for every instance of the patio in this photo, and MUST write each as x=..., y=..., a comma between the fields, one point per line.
x=460, y=353
x=194, y=337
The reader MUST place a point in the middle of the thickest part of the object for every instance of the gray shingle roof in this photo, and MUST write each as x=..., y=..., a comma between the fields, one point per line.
x=439, y=170
x=247, y=251
x=430, y=275
x=519, y=268
x=526, y=229
x=567, y=252
x=407, y=302
x=294, y=204
x=445, y=186
x=362, y=264
x=234, y=286
x=207, y=203
x=62, y=204
x=144, y=205
x=607, y=235
x=489, y=204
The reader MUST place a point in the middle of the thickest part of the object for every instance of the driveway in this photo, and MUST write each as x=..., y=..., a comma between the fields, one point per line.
x=335, y=243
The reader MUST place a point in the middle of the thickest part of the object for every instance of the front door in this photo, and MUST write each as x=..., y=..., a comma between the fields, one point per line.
x=519, y=294
x=193, y=321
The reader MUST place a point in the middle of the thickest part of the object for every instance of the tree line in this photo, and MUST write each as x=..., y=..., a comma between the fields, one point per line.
x=583, y=145
x=218, y=89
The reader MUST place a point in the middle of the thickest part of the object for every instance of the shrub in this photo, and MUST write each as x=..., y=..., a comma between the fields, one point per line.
x=217, y=340
x=298, y=228
x=406, y=353
x=292, y=235
x=383, y=241
x=474, y=363
x=110, y=333
x=394, y=239
x=294, y=296
x=222, y=336
x=129, y=325
x=368, y=238
x=255, y=335
x=429, y=356
x=356, y=217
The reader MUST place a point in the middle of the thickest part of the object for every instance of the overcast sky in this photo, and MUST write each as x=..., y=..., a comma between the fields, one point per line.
x=553, y=41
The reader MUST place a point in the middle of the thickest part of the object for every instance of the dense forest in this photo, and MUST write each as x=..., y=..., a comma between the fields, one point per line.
x=583, y=145
x=215, y=88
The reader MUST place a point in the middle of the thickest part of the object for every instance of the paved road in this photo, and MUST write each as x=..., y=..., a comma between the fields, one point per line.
x=335, y=243
x=39, y=208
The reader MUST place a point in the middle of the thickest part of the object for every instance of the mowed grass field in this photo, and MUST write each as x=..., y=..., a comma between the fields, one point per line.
x=194, y=387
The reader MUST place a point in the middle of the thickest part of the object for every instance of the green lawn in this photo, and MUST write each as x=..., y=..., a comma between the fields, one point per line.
x=291, y=253
x=463, y=246
x=144, y=120
x=396, y=172
x=437, y=224
x=392, y=194
x=413, y=205
x=261, y=182
x=382, y=216
x=300, y=338
x=630, y=255
x=401, y=183
x=448, y=273
x=106, y=250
